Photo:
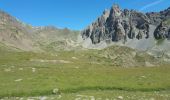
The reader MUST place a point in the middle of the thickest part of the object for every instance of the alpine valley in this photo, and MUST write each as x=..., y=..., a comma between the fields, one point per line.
x=123, y=55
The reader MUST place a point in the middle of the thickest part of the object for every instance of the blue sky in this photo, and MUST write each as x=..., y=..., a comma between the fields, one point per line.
x=73, y=14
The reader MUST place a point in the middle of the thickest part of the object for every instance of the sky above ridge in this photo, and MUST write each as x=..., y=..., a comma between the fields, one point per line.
x=73, y=14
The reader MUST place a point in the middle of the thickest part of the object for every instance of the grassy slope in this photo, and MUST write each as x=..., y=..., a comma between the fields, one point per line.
x=84, y=75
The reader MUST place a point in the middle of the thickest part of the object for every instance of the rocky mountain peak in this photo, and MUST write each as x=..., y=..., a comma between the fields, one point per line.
x=117, y=24
x=121, y=25
x=115, y=11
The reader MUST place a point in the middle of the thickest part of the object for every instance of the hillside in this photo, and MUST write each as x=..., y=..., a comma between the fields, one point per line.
x=28, y=38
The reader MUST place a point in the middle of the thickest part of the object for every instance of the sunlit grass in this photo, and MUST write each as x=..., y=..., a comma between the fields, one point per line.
x=17, y=77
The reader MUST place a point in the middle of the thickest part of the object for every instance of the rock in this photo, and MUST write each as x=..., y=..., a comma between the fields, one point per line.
x=143, y=76
x=119, y=31
x=43, y=98
x=162, y=31
x=18, y=80
x=120, y=97
x=20, y=69
x=30, y=99
x=151, y=99
x=155, y=17
x=7, y=69
x=117, y=25
x=74, y=58
x=59, y=96
x=139, y=35
x=33, y=70
x=56, y=91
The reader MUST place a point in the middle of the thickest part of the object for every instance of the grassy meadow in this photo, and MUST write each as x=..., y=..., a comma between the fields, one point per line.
x=78, y=75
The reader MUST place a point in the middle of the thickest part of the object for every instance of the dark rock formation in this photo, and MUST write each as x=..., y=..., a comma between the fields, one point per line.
x=120, y=25
x=162, y=21
x=162, y=31
x=116, y=24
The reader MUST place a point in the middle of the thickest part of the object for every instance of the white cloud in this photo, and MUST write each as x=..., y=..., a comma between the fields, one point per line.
x=151, y=4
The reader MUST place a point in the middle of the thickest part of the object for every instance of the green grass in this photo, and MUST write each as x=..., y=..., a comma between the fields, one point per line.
x=167, y=21
x=160, y=41
x=89, y=74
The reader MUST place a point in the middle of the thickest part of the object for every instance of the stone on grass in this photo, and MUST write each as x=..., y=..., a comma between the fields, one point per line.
x=33, y=70
x=56, y=91
x=18, y=80
x=7, y=69
x=120, y=97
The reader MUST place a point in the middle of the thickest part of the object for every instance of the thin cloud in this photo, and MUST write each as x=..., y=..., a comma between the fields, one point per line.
x=151, y=4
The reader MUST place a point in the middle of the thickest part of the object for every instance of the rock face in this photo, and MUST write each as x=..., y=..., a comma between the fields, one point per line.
x=121, y=25
x=162, y=21
x=162, y=31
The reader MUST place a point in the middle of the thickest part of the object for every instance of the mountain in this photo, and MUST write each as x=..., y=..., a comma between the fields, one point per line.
x=14, y=33
x=148, y=32
x=113, y=33
x=17, y=34
x=116, y=25
x=120, y=25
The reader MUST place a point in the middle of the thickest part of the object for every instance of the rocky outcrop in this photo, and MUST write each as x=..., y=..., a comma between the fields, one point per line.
x=162, y=31
x=121, y=25
x=161, y=20
x=118, y=25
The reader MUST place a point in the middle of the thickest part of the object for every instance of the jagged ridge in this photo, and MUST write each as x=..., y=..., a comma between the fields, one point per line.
x=120, y=25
